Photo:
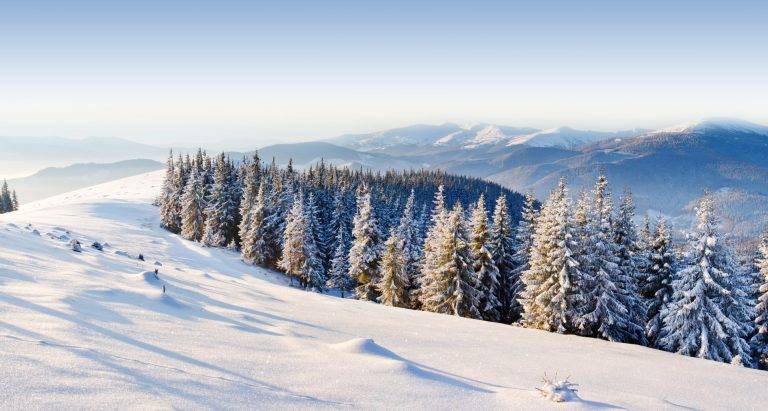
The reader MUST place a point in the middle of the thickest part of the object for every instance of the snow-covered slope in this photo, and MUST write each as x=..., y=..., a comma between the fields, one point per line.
x=566, y=137
x=95, y=330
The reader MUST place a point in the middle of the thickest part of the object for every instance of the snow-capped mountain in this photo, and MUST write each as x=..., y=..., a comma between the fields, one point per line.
x=479, y=136
x=99, y=329
x=566, y=137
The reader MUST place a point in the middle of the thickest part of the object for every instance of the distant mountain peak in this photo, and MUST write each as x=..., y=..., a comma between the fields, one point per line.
x=717, y=123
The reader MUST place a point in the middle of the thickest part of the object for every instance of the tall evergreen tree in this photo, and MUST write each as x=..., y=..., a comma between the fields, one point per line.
x=393, y=285
x=169, y=202
x=610, y=309
x=251, y=183
x=14, y=201
x=221, y=215
x=484, y=267
x=192, y=216
x=338, y=276
x=313, y=271
x=292, y=259
x=365, y=252
x=254, y=241
x=452, y=288
x=657, y=287
x=553, y=267
x=501, y=244
x=705, y=318
x=429, y=263
x=408, y=245
x=759, y=341
x=523, y=243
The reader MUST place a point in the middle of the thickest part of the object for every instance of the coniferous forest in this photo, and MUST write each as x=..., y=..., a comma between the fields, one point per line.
x=455, y=245
x=8, y=200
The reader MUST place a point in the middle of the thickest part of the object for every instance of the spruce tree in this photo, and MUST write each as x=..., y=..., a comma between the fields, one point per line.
x=192, y=217
x=366, y=248
x=657, y=288
x=393, y=285
x=409, y=247
x=313, y=271
x=759, y=341
x=553, y=267
x=254, y=241
x=706, y=317
x=523, y=242
x=452, y=288
x=169, y=202
x=251, y=183
x=429, y=263
x=292, y=259
x=14, y=201
x=484, y=267
x=610, y=309
x=338, y=276
x=501, y=244
x=221, y=215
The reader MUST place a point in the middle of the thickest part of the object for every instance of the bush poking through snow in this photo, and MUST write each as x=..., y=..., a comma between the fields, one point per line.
x=75, y=246
x=557, y=391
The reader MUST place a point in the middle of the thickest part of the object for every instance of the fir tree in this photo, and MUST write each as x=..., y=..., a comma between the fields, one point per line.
x=429, y=263
x=292, y=260
x=553, y=266
x=523, y=243
x=221, y=215
x=251, y=183
x=502, y=248
x=192, y=217
x=365, y=251
x=657, y=288
x=705, y=318
x=254, y=241
x=169, y=203
x=452, y=288
x=313, y=271
x=409, y=247
x=14, y=201
x=610, y=307
x=393, y=285
x=483, y=264
x=338, y=276
x=759, y=341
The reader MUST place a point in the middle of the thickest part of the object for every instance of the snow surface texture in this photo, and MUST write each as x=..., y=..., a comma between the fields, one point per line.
x=95, y=330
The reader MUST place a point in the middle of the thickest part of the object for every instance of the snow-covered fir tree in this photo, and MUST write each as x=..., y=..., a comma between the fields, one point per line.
x=365, y=252
x=394, y=285
x=487, y=275
x=429, y=265
x=706, y=317
x=192, y=216
x=553, y=266
x=409, y=246
x=251, y=183
x=501, y=244
x=8, y=200
x=523, y=243
x=313, y=271
x=657, y=285
x=254, y=241
x=221, y=215
x=292, y=259
x=338, y=275
x=610, y=308
x=170, y=204
x=759, y=341
x=452, y=287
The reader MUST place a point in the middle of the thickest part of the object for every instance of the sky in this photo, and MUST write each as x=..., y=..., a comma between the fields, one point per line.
x=192, y=71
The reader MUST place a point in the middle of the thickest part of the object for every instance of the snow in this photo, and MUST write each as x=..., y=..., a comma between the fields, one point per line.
x=728, y=124
x=94, y=330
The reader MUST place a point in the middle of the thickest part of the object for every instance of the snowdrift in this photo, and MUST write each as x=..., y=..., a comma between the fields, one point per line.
x=97, y=329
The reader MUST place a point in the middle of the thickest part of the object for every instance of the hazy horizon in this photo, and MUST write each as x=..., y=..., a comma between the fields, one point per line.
x=288, y=71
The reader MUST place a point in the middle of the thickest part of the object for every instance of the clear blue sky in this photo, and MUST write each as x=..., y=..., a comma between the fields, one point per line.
x=189, y=70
